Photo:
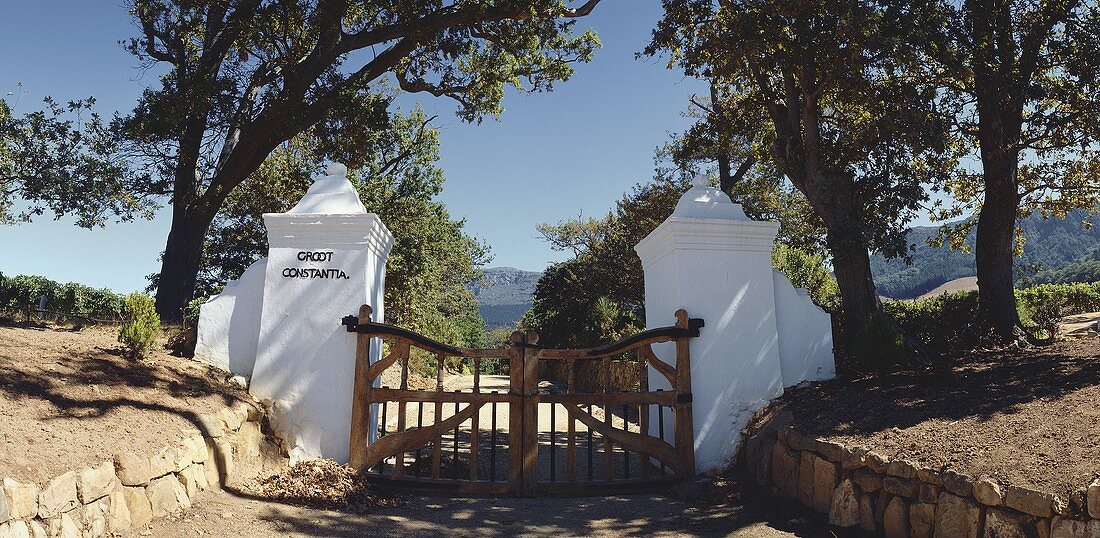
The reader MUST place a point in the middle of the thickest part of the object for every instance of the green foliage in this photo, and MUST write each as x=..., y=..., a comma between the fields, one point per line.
x=396, y=175
x=808, y=271
x=139, y=333
x=65, y=160
x=948, y=322
x=20, y=293
x=878, y=346
x=598, y=295
x=191, y=314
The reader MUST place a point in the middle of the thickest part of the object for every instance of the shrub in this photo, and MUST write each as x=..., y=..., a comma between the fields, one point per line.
x=21, y=294
x=878, y=346
x=191, y=312
x=947, y=322
x=139, y=333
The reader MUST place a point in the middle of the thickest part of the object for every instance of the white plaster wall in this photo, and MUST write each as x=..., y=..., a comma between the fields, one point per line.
x=805, y=335
x=229, y=323
x=719, y=270
x=306, y=360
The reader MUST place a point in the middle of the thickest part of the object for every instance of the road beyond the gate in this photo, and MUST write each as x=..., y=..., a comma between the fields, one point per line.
x=725, y=513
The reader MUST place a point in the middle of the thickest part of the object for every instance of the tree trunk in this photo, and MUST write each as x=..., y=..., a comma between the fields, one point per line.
x=852, y=267
x=180, y=265
x=993, y=252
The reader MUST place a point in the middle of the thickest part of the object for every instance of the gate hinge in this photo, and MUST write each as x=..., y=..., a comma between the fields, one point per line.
x=351, y=322
x=684, y=398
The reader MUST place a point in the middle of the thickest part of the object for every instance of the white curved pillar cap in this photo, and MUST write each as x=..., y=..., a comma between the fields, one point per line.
x=703, y=201
x=331, y=194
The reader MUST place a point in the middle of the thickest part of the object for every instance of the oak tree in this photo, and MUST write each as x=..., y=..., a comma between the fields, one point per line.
x=1027, y=75
x=830, y=93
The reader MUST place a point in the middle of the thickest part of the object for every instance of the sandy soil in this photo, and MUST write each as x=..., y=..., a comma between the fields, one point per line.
x=1026, y=417
x=69, y=400
x=723, y=512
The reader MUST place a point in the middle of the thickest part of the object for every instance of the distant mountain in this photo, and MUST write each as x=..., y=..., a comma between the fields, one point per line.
x=1056, y=250
x=504, y=295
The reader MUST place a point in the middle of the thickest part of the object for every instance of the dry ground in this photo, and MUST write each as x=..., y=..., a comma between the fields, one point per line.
x=1026, y=417
x=69, y=400
x=723, y=512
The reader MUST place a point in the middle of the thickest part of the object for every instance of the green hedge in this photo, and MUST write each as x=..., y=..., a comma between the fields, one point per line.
x=20, y=294
x=946, y=322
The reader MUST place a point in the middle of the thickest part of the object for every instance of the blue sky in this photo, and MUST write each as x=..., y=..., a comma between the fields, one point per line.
x=549, y=157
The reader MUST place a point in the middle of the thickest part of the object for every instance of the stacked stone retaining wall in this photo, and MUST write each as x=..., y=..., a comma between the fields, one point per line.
x=860, y=488
x=133, y=489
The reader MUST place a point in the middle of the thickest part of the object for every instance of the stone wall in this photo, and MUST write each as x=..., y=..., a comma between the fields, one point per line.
x=861, y=488
x=132, y=490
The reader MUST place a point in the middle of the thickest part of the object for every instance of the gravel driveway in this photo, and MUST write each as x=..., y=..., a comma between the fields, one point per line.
x=722, y=512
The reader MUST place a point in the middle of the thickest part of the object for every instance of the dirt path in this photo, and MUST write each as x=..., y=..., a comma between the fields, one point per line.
x=223, y=514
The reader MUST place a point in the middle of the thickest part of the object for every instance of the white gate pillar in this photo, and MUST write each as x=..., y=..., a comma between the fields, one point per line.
x=327, y=256
x=711, y=260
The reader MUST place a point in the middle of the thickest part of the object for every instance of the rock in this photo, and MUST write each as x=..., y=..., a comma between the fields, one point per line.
x=798, y=441
x=118, y=517
x=1094, y=528
x=922, y=517
x=867, y=480
x=930, y=476
x=895, y=520
x=63, y=527
x=825, y=481
x=5, y=512
x=1068, y=528
x=210, y=425
x=137, y=503
x=901, y=468
x=239, y=381
x=21, y=499
x=59, y=496
x=167, y=496
x=844, y=511
x=1092, y=496
x=95, y=482
x=958, y=483
x=164, y=462
x=928, y=493
x=876, y=462
x=806, y=479
x=193, y=480
x=881, y=502
x=901, y=486
x=831, y=450
x=956, y=517
x=867, y=520
x=19, y=529
x=1001, y=523
x=231, y=420
x=96, y=515
x=854, y=458
x=1028, y=501
x=988, y=492
x=785, y=470
x=764, y=463
x=37, y=529
x=223, y=457
x=132, y=470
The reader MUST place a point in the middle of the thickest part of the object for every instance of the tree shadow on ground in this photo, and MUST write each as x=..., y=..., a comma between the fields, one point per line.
x=723, y=509
x=90, y=384
x=981, y=386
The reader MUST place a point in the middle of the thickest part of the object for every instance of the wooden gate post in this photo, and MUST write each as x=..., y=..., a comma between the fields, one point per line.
x=685, y=442
x=530, y=414
x=515, y=414
x=360, y=400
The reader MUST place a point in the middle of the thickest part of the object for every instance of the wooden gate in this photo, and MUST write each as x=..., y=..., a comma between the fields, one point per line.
x=499, y=431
